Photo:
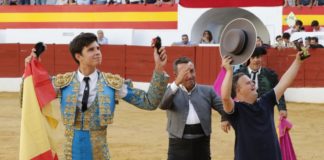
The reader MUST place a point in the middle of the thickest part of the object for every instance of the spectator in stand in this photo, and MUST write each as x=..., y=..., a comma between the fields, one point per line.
x=24, y=2
x=159, y=2
x=55, y=2
x=291, y=3
x=101, y=37
x=298, y=27
x=207, y=38
x=308, y=3
x=184, y=41
x=319, y=3
x=149, y=1
x=286, y=41
x=279, y=42
x=115, y=2
x=8, y=2
x=314, y=43
x=62, y=2
x=83, y=2
x=259, y=43
x=134, y=1
x=316, y=27
x=39, y=2
x=307, y=42
x=100, y=2
x=167, y=1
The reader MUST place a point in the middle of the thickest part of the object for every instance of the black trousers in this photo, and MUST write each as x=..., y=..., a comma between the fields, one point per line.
x=189, y=149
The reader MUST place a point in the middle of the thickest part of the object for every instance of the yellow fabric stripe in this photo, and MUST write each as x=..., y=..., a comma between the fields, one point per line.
x=33, y=137
x=90, y=17
x=306, y=19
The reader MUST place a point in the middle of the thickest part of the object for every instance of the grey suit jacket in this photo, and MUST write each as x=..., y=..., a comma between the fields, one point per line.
x=203, y=99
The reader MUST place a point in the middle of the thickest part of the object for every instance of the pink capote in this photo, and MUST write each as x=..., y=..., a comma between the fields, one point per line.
x=286, y=147
x=219, y=80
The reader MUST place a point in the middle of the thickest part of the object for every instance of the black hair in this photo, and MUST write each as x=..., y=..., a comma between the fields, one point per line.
x=278, y=36
x=210, y=35
x=236, y=77
x=180, y=60
x=315, y=39
x=184, y=35
x=81, y=41
x=286, y=35
x=299, y=22
x=314, y=23
x=258, y=51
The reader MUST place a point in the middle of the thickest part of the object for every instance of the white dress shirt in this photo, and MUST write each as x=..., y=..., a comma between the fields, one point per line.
x=192, y=117
x=93, y=88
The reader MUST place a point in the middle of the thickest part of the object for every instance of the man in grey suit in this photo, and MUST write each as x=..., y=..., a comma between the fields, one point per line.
x=188, y=106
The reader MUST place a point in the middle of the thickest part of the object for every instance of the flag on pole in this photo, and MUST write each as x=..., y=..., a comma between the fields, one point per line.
x=231, y=3
x=37, y=119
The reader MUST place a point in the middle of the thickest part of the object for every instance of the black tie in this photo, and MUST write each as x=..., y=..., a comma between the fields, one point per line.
x=254, y=75
x=85, y=94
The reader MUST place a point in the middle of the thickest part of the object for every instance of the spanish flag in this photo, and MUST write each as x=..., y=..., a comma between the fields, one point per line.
x=305, y=14
x=95, y=16
x=37, y=120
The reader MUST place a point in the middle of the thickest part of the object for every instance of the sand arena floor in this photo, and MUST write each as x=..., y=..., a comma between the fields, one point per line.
x=141, y=135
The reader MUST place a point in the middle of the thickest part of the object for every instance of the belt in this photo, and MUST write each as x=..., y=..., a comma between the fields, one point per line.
x=193, y=131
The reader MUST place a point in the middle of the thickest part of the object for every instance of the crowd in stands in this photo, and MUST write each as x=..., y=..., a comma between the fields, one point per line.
x=84, y=2
x=300, y=3
x=283, y=41
x=206, y=38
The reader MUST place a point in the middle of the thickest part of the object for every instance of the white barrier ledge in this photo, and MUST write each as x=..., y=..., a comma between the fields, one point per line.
x=305, y=95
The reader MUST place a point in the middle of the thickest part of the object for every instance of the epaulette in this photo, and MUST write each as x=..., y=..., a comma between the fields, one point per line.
x=62, y=80
x=113, y=80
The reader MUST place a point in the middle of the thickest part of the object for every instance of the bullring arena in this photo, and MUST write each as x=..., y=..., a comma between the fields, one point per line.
x=139, y=134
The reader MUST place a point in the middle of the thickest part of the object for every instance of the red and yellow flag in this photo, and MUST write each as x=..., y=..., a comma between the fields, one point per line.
x=37, y=120
x=95, y=16
x=305, y=14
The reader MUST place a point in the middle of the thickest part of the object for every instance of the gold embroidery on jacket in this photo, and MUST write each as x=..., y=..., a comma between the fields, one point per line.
x=63, y=80
x=113, y=80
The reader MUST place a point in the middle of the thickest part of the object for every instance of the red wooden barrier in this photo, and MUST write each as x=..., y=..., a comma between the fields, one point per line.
x=9, y=66
x=208, y=63
x=136, y=62
x=63, y=59
x=47, y=58
x=113, y=59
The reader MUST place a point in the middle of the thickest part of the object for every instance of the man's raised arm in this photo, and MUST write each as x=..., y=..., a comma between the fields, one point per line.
x=288, y=77
x=226, y=88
